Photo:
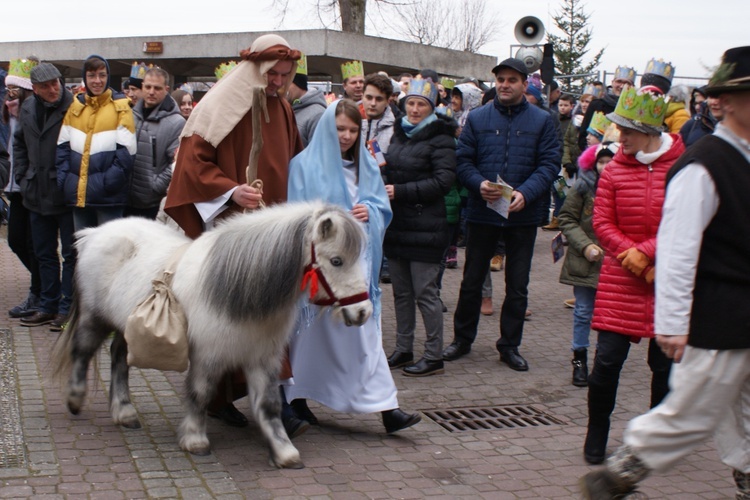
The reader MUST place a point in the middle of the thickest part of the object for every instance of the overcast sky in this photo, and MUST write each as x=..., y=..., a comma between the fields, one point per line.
x=691, y=34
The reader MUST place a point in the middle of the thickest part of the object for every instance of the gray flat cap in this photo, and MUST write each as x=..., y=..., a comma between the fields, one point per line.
x=44, y=72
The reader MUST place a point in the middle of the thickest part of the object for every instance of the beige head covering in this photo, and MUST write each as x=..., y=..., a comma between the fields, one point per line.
x=240, y=90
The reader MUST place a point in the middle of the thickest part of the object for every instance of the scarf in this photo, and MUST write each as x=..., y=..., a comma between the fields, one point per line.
x=410, y=129
x=13, y=107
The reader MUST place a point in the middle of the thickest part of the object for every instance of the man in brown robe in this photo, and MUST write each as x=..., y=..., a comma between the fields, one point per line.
x=220, y=140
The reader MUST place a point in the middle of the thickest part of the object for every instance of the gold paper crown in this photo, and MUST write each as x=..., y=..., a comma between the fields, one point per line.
x=224, y=68
x=624, y=73
x=612, y=134
x=642, y=107
x=138, y=70
x=599, y=123
x=592, y=90
x=660, y=68
x=21, y=68
x=448, y=83
x=302, y=65
x=423, y=88
x=352, y=68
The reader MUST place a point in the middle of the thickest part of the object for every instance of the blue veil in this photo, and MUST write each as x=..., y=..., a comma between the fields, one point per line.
x=317, y=173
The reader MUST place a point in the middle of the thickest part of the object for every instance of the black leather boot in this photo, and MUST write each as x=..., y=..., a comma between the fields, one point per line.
x=603, y=384
x=580, y=368
x=396, y=420
x=300, y=408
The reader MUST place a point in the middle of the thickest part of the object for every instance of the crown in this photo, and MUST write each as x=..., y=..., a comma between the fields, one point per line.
x=624, y=73
x=611, y=134
x=599, y=123
x=423, y=88
x=352, y=68
x=138, y=70
x=642, y=107
x=592, y=90
x=21, y=67
x=660, y=68
x=448, y=83
x=302, y=65
x=224, y=68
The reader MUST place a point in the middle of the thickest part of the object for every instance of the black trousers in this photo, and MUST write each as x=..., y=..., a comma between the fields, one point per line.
x=481, y=241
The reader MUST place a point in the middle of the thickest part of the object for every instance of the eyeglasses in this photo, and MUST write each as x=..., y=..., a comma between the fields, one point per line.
x=14, y=92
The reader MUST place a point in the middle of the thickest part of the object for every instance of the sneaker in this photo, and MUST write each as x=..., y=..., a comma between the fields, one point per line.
x=39, y=318
x=496, y=264
x=25, y=308
x=570, y=303
x=451, y=259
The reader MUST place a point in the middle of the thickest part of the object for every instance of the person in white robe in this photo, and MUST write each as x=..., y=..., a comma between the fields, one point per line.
x=344, y=368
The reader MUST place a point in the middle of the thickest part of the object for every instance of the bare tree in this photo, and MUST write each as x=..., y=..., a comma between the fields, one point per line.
x=351, y=14
x=463, y=25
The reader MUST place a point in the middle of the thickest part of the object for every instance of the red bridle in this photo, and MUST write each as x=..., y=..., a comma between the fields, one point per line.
x=315, y=277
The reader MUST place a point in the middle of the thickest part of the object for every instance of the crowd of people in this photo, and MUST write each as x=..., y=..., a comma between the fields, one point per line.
x=427, y=165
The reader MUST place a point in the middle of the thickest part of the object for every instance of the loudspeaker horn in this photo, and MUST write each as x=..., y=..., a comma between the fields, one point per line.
x=529, y=30
x=531, y=56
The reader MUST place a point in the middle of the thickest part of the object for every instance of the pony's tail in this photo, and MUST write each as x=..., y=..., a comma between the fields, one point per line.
x=61, y=361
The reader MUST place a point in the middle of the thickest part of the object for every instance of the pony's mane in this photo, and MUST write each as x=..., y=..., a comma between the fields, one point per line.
x=255, y=264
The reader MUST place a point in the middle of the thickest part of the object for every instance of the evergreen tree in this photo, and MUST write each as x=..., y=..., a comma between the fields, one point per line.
x=572, y=47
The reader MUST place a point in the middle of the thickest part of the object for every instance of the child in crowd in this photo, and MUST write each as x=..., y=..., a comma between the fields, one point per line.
x=583, y=259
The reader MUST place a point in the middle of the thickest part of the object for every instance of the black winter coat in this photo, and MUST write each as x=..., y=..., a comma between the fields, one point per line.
x=34, y=155
x=422, y=170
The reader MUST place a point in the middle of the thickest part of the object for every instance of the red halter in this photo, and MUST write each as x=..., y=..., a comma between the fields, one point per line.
x=315, y=277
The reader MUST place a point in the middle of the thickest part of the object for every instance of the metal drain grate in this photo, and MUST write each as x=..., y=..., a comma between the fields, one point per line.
x=12, y=451
x=491, y=418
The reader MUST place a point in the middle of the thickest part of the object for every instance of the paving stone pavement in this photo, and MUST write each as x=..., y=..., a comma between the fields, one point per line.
x=348, y=456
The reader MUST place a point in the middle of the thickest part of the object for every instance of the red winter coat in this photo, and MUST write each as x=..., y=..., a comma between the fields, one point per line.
x=627, y=213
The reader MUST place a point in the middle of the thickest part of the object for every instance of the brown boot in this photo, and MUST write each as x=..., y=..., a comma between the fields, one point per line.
x=486, y=306
x=552, y=226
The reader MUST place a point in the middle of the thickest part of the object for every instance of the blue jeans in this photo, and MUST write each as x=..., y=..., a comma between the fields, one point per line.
x=95, y=216
x=582, y=314
x=56, y=293
x=480, y=248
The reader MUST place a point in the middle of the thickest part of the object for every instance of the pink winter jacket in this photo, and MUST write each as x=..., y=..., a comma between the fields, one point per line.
x=627, y=213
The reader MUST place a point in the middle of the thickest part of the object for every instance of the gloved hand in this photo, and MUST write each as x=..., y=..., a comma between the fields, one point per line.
x=634, y=261
x=650, y=274
x=571, y=169
x=593, y=253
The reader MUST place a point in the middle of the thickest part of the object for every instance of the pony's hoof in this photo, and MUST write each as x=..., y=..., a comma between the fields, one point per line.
x=293, y=464
x=131, y=424
x=200, y=447
x=202, y=452
x=74, y=409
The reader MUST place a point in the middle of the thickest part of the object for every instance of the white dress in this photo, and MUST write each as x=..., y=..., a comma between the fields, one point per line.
x=342, y=367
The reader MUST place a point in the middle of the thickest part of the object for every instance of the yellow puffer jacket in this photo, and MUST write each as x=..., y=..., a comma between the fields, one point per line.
x=677, y=115
x=96, y=151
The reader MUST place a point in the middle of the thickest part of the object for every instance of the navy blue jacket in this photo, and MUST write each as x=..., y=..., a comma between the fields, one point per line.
x=520, y=144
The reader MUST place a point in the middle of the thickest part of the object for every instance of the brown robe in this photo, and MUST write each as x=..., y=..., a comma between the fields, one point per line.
x=204, y=173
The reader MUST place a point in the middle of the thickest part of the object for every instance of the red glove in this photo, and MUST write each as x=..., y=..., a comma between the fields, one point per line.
x=634, y=261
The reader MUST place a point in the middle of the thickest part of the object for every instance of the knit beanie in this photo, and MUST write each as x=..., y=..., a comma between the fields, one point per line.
x=534, y=91
x=300, y=81
x=657, y=81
